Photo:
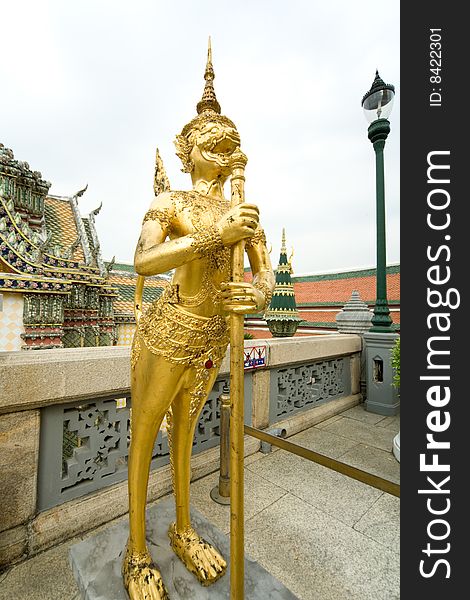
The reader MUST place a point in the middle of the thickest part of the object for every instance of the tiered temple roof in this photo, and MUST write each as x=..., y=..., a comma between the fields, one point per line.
x=47, y=256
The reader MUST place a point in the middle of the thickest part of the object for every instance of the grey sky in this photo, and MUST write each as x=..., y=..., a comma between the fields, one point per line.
x=91, y=87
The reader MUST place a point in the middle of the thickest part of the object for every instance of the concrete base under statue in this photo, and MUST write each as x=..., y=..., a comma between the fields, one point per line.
x=96, y=562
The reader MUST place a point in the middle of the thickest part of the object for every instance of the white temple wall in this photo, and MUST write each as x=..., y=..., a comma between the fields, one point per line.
x=11, y=322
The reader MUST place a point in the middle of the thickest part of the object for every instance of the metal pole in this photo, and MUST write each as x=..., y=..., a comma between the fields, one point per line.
x=221, y=492
x=373, y=480
x=381, y=321
x=237, y=519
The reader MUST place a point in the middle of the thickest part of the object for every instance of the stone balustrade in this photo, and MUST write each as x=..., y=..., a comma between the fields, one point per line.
x=64, y=419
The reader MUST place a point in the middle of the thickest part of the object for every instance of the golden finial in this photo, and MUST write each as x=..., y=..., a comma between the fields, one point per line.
x=208, y=100
x=283, y=244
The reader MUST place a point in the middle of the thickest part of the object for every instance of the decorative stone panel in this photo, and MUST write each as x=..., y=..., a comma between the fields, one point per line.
x=297, y=388
x=84, y=447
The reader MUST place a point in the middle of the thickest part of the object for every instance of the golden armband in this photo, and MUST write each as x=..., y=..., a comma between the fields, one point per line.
x=161, y=215
x=207, y=241
x=266, y=291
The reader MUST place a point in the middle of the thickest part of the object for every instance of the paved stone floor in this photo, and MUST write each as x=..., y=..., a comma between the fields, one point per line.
x=324, y=535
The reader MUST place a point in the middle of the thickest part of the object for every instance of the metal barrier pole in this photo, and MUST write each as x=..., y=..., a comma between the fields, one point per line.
x=221, y=492
x=373, y=480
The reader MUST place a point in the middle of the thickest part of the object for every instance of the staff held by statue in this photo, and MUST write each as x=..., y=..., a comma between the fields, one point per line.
x=237, y=162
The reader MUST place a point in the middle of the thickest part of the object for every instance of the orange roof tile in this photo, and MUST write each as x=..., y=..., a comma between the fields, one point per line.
x=258, y=334
x=340, y=290
x=60, y=221
x=318, y=315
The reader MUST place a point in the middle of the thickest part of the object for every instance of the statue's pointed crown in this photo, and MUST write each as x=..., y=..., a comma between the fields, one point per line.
x=208, y=108
x=208, y=100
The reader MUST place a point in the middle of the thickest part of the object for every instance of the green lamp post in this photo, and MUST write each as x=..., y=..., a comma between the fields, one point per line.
x=377, y=105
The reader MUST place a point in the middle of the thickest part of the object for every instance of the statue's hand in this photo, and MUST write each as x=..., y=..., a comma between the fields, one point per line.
x=238, y=223
x=241, y=298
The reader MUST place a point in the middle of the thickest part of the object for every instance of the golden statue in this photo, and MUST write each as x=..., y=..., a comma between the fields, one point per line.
x=182, y=338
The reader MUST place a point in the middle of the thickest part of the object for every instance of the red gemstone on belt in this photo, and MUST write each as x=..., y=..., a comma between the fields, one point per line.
x=209, y=364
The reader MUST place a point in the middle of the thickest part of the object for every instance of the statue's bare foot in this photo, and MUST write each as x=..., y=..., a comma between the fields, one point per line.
x=198, y=556
x=142, y=578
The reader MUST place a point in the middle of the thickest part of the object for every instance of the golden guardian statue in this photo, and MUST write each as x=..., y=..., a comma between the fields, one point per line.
x=181, y=339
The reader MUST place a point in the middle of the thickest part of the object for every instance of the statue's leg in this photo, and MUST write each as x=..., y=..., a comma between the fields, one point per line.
x=197, y=554
x=154, y=384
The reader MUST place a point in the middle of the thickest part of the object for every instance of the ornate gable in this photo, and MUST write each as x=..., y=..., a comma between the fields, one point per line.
x=52, y=258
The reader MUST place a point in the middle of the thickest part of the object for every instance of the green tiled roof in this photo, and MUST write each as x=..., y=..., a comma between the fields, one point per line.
x=341, y=303
x=122, y=267
x=53, y=224
x=332, y=325
x=391, y=270
x=126, y=292
x=128, y=268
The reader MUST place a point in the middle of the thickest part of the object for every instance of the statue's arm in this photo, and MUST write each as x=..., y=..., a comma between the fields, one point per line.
x=153, y=254
x=260, y=263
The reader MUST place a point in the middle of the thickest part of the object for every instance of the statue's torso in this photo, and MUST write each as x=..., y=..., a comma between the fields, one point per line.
x=197, y=284
x=187, y=324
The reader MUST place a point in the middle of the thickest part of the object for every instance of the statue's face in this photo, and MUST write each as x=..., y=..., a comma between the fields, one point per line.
x=215, y=143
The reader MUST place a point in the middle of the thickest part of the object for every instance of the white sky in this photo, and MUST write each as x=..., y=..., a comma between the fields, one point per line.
x=91, y=87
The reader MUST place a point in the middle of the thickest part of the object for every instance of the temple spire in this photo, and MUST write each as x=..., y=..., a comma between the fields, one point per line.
x=283, y=242
x=208, y=100
x=282, y=316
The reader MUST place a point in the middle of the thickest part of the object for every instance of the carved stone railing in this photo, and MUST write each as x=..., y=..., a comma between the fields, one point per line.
x=84, y=446
x=298, y=388
x=64, y=428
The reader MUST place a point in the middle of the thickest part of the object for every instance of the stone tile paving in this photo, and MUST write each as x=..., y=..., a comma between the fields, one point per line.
x=324, y=442
x=391, y=423
x=320, y=533
x=259, y=494
x=331, y=537
x=359, y=414
x=46, y=576
x=378, y=437
x=336, y=495
x=327, y=422
x=319, y=557
x=380, y=522
x=375, y=461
